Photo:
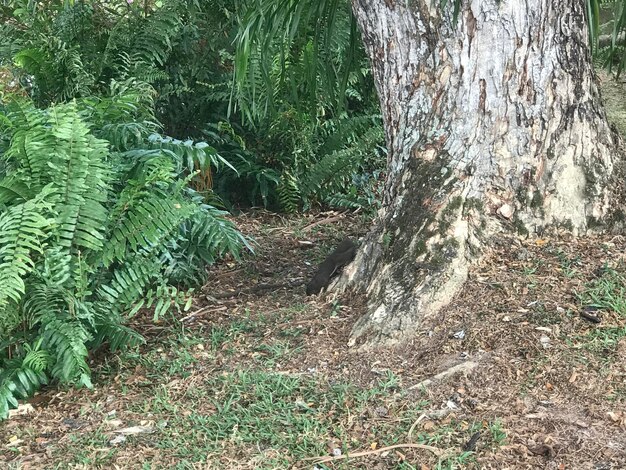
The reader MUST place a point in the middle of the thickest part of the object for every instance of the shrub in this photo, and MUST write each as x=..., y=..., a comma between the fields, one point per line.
x=93, y=225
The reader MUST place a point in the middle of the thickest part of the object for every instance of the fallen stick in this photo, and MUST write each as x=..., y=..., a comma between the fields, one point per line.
x=435, y=450
x=327, y=220
x=202, y=311
x=462, y=367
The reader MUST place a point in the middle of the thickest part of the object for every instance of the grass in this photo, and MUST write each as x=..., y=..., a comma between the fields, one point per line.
x=568, y=265
x=251, y=417
x=607, y=293
x=222, y=396
x=276, y=418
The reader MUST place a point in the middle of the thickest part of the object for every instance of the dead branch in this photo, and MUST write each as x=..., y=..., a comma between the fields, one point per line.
x=329, y=458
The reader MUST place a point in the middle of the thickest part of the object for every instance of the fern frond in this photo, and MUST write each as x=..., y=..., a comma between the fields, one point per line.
x=109, y=328
x=289, y=193
x=208, y=234
x=64, y=324
x=191, y=155
x=165, y=298
x=14, y=190
x=154, y=40
x=22, y=231
x=36, y=358
x=20, y=378
x=142, y=223
x=128, y=283
x=45, y=297
x=30, y=144
x=10, y=321
x=65, y=338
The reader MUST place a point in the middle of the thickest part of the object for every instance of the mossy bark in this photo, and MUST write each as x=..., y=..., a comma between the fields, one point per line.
x=494, y=124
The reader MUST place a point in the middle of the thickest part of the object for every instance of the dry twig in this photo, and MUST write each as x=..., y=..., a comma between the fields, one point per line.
x=327, y=220
x=329, y=458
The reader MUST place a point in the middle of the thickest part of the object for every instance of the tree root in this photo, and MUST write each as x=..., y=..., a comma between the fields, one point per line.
x=464, y=367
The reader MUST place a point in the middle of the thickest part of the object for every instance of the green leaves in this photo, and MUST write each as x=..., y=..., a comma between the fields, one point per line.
x=296, y=52
x=593, y=22
x=87, y=237
x=190, y=155
x=22, y=231
x=614, y=53
x=143, y=224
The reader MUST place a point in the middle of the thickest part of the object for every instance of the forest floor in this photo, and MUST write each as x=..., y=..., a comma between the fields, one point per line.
x=258, y=376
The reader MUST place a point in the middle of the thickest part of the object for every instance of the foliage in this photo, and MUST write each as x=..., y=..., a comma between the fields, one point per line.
x=303, y=81
x=304, y=53
x=91, y=230
x=615, y=53
x=341, y=169
x=273, y=122
x=81, y=250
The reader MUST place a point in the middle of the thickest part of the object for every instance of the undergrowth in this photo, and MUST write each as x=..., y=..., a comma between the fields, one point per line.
x=92, y=230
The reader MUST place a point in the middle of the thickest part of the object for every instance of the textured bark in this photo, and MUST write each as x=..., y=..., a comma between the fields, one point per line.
x=493, y=124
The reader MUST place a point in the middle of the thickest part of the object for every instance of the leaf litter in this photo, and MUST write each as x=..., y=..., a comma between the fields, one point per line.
x=528, y=360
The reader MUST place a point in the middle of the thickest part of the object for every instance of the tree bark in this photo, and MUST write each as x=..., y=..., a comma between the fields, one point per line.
x=494, y=125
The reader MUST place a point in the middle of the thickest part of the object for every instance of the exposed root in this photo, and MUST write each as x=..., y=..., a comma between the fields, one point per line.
x=463, y=367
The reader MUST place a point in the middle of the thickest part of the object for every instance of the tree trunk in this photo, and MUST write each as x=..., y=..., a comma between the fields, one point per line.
x=493, y=124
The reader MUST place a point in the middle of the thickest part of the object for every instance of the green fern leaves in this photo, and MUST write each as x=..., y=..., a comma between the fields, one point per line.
x=22, y=232
x=87, y=236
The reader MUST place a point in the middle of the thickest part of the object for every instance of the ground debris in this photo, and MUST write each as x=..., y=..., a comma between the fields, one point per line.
x=532, y=406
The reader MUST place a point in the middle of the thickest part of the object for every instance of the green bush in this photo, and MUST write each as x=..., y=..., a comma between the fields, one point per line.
x=91, y=229
x=301, y=124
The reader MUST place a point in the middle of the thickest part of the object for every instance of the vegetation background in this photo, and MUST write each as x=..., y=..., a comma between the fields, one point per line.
x=130, y=129
x=114, y=112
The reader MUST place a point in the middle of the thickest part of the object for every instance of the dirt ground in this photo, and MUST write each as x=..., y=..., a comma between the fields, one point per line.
x=559, y=395
x=554, y=380
x=515, y=343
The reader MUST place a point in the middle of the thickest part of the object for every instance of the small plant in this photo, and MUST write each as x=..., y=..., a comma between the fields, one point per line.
x=607, y=291
x=497, y=433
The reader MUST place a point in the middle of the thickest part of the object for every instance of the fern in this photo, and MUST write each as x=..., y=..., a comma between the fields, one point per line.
x=135, y=228
x=64, y=323
x=289, y=193
x=189, y=155
x=22, y=230
x=109, y=328
x=80, y=246
x=252, y=181
x=22, y=376
x=203, y=238
x=67, y=339
x=165, y=298
x=58, y=70
x=303, y=50
x=81, y=180
x=127, y=284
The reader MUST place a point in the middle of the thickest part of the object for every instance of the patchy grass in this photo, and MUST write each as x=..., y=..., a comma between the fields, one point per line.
x=263, y=379
x=248, y=418
x=606, y=294
x=608, y=291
